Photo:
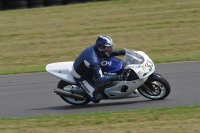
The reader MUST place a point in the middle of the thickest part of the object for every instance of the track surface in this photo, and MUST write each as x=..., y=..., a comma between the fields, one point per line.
x=31, y=94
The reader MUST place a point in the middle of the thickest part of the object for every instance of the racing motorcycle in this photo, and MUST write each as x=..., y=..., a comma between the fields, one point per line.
x=138, y=67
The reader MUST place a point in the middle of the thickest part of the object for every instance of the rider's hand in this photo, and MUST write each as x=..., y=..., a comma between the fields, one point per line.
x=127, y=75
x=122, y=76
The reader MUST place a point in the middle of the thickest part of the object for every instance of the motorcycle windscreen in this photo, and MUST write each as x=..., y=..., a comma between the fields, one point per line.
x=132, y=57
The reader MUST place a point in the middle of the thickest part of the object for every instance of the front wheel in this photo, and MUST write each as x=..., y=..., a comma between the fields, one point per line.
x=156, y=87
x=69, y=87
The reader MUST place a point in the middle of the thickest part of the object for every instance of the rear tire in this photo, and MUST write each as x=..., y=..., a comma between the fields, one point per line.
x=156, y=87
x=67, y=87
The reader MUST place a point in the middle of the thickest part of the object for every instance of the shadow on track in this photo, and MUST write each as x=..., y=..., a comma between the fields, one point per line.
x=73, y=107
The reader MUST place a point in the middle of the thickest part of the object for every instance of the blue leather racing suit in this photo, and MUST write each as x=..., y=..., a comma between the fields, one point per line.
x=86, y=65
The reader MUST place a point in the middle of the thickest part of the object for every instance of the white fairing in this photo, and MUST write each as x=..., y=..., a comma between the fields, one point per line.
x=62, y=70
x=143, y=67
x=140, y=63
x=115, y=91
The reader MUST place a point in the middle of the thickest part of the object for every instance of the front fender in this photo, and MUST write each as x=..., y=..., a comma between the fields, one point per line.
x=155, y=75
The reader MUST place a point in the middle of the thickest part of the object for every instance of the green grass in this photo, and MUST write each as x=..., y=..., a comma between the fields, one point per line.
x=167, y=30
x=160, y=120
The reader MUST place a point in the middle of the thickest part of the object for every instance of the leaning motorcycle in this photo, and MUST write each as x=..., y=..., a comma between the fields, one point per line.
x=139, y=70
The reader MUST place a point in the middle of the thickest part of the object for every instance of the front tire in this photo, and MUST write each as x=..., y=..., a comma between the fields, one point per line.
x=67, y=87
x=156, y=87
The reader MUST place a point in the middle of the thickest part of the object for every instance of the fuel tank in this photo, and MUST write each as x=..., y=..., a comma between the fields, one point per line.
x=112, y=65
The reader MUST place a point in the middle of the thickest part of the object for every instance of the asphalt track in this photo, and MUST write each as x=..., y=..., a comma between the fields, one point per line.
x=31, y=94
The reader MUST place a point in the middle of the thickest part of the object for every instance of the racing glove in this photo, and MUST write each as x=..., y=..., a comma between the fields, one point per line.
x=120, y=77
x=125, y=75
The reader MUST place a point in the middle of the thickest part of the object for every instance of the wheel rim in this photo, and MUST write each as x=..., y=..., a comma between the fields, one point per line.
x=72, y=100
x=157, y=92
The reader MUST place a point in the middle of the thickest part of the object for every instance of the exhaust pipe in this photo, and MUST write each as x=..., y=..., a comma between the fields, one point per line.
x=68, y=94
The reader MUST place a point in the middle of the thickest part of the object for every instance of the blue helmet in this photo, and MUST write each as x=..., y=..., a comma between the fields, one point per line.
x=104, y=45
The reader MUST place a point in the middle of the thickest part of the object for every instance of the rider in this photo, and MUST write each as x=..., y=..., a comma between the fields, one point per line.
x=87, y=64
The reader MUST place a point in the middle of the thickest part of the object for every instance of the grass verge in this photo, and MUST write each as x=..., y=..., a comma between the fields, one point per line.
x=160, y=120
x=167, y=30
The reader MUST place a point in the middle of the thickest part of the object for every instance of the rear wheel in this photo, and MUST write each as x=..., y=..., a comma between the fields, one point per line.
x=75, y=89
x=156, y=87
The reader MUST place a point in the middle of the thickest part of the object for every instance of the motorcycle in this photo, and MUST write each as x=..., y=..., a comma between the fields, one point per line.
x=138, y=67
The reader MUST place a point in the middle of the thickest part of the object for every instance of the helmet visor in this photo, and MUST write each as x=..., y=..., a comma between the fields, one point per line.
x=108, y=48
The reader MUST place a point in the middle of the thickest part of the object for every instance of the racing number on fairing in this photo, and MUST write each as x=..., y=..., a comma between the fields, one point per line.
x=149, y=64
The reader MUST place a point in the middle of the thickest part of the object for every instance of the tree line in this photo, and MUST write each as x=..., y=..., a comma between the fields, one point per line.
x=18, y=4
